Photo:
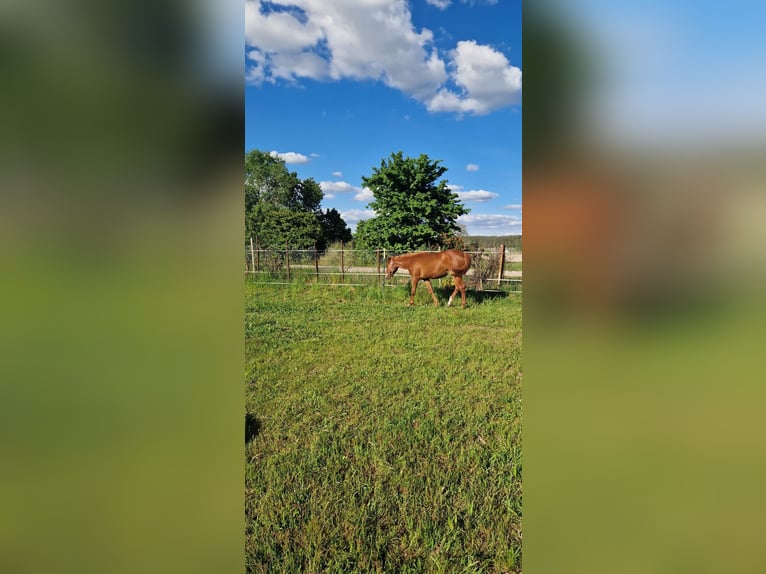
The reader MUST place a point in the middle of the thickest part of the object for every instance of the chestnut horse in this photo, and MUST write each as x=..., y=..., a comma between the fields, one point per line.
x=426, y=266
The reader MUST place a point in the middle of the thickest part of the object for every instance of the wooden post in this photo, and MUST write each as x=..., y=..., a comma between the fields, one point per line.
x=257, y=255
x=316, y=260
x=252, y=256
x=342, y=272
x=384, y=259
x=481, y=273
x=287, y=259
x=502, y=265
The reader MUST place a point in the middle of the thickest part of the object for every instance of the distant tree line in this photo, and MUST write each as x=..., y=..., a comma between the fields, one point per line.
x=475, y=242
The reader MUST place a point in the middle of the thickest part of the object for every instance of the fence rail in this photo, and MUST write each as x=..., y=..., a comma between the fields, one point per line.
x=498, y=267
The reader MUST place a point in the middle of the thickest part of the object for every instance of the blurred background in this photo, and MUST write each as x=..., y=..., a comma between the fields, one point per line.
x=644, y=270
x=121, y=301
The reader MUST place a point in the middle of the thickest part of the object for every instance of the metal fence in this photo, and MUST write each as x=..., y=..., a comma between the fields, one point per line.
x=493, y=268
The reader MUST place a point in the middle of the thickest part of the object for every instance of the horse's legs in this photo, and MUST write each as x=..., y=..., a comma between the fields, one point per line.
x=431, y=291
x=415, y=280
x=454, y=280
x=461, y=286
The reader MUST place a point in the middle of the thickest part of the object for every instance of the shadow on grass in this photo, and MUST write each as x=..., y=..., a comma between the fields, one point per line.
x=252, y=427
x=471, y=296
x=481, y=296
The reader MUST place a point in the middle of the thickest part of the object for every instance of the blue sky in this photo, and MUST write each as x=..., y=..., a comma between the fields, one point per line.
x=674, y=75
x=335, y=86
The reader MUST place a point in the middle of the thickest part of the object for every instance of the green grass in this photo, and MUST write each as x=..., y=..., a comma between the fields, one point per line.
x=388, y=437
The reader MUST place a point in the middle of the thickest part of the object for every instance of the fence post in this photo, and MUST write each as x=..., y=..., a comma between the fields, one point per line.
x=386, y=260
x=316, y=261
x=252, y=256
x=480, y=272
x=257, y=255
x=377, y=262
x=287, y=259
x=502, y=265
x=342, y=272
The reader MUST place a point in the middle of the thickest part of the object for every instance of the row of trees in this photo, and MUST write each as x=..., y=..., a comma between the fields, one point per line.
x=415, y=209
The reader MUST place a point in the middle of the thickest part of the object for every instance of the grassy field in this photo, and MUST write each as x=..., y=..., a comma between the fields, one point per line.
x=385, y=438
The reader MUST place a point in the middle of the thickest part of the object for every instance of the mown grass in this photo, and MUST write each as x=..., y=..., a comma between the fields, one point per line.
x=388, y=437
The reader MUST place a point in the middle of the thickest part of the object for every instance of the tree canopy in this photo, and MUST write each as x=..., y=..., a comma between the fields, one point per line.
x=278, y=226
x=333, y=228
x=267, y=180
x=282, y=209
x=414, y=210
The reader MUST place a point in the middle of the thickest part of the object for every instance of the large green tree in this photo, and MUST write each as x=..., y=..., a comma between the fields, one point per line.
x=414, y=208
x=277, y=226
x=281, y=208
x=267, y=180
x=333, y=228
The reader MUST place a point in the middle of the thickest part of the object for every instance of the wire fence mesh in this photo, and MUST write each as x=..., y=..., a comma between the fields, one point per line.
x=349, y=266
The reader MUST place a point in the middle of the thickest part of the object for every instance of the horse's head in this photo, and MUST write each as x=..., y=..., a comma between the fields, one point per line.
x=391, y=267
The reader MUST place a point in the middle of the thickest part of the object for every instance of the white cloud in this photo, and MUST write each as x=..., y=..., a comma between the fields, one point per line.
x=278, y=31
x=490, y=224
x=337, y=174
x=360, y=193
x=512, y=206
x=374, y=40
x=255, y=71
x=354, y=216
x=440, y=4
x=338, y=187
x=486, y=73
x=443, y=4
x=364, y=195
x=472, y=195
x=476, y=195
x=472, y=167
x=292, y=65
x=291, y=157
x=359, y=39
x=486, y=79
